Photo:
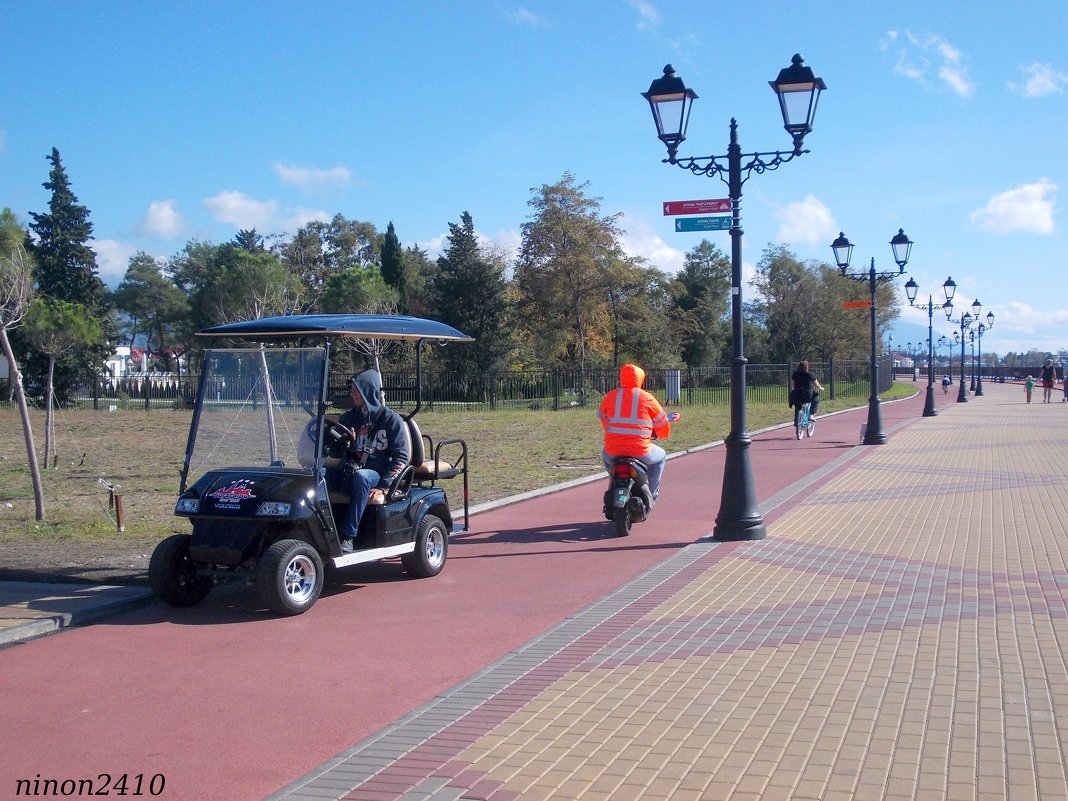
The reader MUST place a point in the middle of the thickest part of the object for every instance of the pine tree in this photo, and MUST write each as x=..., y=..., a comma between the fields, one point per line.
x=65, y=270
x=393, y=267
x=470, y=294
x=66, y=266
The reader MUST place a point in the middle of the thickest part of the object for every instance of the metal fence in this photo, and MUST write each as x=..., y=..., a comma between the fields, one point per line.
x=505, y=389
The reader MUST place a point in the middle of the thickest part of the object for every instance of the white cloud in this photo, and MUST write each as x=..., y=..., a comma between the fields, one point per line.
x=312, y=179
x=163, y=220
x=808, y=222
x=649, y=15
x=923, y=57
x=1028, y=209
x=244, y=212
x=1042, y=80
x=639, y=239
x=524, y=16
x=112, y=259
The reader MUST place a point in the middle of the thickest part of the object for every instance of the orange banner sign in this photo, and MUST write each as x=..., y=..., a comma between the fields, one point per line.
x=856, y=304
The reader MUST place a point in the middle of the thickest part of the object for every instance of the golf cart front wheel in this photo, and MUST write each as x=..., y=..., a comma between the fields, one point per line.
x=173, y=575
x=431, y=549
x=290, y=577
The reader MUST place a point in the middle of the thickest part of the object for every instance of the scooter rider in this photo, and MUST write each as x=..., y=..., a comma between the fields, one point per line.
x=377, y=452
x=630, y=416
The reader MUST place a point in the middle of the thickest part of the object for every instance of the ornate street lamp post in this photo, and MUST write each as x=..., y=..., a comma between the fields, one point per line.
x=983, y=328
x=971, y=362
x=798, y=90
x=965, y=320
x=843, y=252
x=911, y=288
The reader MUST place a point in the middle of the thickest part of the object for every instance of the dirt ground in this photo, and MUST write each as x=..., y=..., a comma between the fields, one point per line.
x=124, y=562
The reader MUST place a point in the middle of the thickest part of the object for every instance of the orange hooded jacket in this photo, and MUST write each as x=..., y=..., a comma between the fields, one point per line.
x=630, y=415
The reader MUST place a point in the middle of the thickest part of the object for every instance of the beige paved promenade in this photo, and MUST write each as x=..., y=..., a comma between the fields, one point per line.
x=900, y=634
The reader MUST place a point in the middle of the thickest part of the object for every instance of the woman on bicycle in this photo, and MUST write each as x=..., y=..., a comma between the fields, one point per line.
x=806, y=390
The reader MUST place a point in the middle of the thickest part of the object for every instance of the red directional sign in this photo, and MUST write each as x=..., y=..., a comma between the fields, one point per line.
x=856, y=304
x=716, y=206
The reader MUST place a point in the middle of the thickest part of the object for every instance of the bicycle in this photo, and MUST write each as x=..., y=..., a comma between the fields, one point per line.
x=805, y=422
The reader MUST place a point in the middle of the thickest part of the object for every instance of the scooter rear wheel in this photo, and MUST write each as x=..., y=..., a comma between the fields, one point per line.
x=622, y=521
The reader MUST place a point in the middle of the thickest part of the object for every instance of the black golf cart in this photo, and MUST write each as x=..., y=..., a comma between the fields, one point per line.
x=269, y=406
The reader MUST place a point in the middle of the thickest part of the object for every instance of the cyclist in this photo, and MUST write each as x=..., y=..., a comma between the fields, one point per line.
x=806, y=390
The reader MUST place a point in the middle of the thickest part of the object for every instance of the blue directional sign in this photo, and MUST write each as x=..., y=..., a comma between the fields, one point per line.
x=702, y=224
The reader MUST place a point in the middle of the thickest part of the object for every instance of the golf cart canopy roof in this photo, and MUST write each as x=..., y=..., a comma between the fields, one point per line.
x=354, y=326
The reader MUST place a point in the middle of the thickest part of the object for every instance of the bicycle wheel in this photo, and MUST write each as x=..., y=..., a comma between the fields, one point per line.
x=811, y=427
x=800, y=426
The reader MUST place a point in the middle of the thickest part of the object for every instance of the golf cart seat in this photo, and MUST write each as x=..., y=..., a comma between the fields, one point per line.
x=434, y=468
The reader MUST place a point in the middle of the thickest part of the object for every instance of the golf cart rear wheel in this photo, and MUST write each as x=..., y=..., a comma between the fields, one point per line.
x=622, y=520
x=431, y=549
x=173, y=575
x=290, y=577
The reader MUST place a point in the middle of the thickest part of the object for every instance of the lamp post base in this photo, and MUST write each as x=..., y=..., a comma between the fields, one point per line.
x=874, y=434
x=739, y=515
x=929, y=409
x=962, y=395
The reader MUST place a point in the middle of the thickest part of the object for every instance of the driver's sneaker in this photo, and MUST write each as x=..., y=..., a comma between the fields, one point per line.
x=347, y=544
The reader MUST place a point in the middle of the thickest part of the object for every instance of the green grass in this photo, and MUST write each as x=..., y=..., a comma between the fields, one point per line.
x=141, y=452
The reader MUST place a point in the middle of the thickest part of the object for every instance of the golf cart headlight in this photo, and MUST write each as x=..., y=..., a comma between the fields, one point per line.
x=187, y=506
x=274, y=509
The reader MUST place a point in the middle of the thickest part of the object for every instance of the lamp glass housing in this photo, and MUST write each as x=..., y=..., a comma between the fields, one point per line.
x=843, y=251
x=798, y=90
x=670, y=101
x=950, y=287
x=911, y=288
x=902, y=247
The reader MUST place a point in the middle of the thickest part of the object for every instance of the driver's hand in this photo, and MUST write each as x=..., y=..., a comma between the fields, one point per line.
x=376, y=495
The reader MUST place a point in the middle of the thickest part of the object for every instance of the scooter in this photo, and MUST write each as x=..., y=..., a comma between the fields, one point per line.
x=628, y=499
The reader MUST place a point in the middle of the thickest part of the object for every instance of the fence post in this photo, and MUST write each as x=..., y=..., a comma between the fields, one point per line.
x=831, y=380
x=556, y=389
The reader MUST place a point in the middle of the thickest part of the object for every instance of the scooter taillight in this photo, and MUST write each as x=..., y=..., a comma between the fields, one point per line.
x=624, y=471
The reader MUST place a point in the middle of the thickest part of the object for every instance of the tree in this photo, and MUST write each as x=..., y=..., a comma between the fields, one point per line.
x=563, y=273
x=152, y=305
x=701, y=294
x=469, y=293
x=248, y=239
x=393, y=267
x=16, y=294
x=55, y=327
x=320, y=250
x=65, y=265
x=65, y=270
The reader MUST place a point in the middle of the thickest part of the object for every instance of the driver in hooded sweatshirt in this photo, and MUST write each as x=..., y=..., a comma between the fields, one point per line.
x=378, y=451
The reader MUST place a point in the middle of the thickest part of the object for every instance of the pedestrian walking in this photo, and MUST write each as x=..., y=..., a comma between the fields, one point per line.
x=1049, y=376
x=1029, y=386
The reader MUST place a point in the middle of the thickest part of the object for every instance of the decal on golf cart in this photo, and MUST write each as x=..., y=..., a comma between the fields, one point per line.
x=230, y=497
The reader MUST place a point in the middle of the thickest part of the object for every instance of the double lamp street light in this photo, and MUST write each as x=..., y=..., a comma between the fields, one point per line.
x=911, y=289
x=843, y=253
x=965, y=321
x=798, y=91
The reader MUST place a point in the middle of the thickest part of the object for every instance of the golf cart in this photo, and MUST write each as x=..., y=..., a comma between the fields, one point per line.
x=269, y=406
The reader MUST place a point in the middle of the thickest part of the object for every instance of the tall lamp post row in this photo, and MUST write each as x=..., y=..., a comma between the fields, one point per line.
x=798, y=90
x=982, y=329
x=911, y=289
x=843, y=252
x=965, y=321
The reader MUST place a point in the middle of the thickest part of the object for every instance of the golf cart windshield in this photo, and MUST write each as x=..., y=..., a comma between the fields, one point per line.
x=255, y=406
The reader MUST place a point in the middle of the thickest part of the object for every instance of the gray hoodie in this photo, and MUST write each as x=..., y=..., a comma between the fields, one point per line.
x=381, y=433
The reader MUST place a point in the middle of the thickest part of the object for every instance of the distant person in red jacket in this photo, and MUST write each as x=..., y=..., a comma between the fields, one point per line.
x=631, y=417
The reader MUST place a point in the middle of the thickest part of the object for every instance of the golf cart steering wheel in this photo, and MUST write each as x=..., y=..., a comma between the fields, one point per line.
x=336, y=438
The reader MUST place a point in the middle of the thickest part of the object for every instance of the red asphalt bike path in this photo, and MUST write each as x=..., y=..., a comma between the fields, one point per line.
x=226, y=701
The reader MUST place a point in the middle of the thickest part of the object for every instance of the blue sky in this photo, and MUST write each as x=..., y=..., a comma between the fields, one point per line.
x=192, y=120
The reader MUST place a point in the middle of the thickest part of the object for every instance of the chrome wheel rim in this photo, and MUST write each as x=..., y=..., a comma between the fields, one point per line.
x=435, y=547
x=300, y=578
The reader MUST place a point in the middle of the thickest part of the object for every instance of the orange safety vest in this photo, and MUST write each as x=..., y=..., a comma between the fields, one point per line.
x=630, y=415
